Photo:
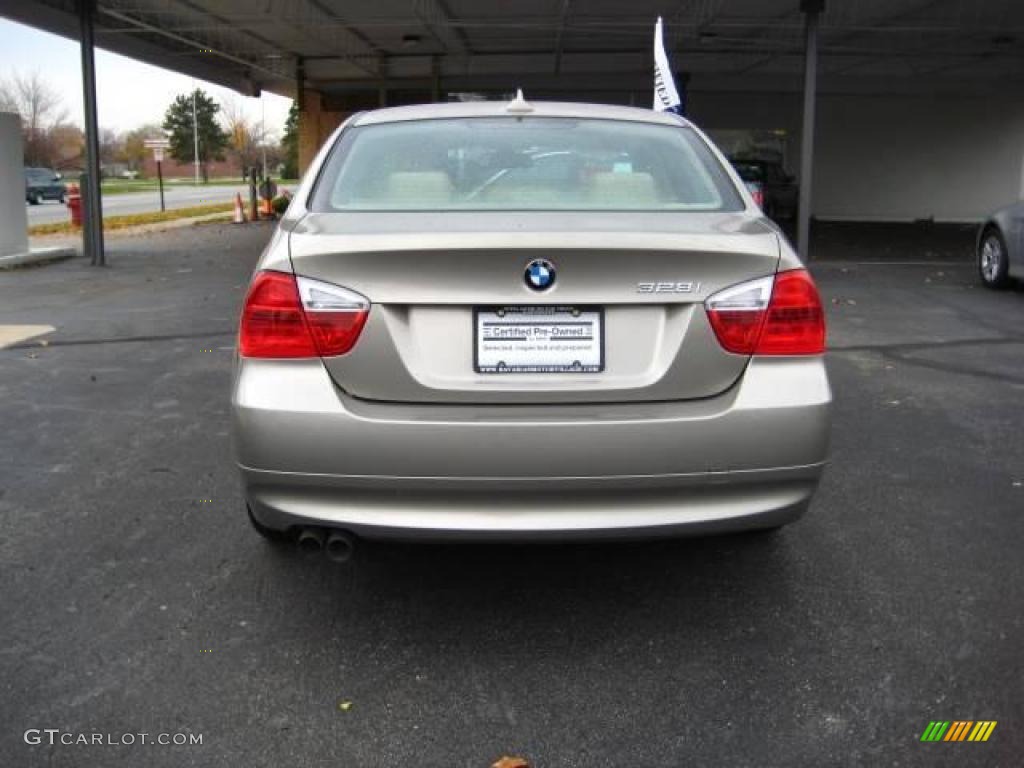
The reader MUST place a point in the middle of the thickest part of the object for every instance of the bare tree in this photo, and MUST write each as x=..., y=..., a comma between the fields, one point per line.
x=111, y=144
x=67, y=145
x=244, y=135
x=40, y=107
x=133, y=146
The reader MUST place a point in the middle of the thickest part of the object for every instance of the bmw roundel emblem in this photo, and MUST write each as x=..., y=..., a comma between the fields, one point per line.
x=540, y=274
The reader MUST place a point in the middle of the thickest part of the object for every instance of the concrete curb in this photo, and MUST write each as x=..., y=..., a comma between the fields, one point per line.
x=74, y=240
x=36, y=256
x=161, y=226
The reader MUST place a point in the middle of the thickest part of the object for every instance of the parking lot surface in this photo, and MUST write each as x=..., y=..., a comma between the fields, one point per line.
x=136, y=599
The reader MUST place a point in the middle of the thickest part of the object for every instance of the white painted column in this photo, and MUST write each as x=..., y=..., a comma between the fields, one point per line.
x=13, y=218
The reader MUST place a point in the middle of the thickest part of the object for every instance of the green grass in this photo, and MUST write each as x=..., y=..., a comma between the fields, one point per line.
x=135, y=219
x=120, y=187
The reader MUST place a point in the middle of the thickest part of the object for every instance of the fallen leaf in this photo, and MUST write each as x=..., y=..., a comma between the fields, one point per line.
x=344, y=706
x=511, y=762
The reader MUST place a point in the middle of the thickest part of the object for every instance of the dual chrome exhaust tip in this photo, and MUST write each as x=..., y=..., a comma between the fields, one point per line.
x=338, y=545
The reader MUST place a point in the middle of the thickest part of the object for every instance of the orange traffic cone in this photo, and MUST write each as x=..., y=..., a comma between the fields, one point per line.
x=239, y=213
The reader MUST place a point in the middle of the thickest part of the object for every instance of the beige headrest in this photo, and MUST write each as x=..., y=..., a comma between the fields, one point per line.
x=626, y=189
x=424, y=187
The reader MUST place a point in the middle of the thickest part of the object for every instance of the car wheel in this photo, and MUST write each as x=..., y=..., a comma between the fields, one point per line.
x=271, y=535
x=63, y=199
x=33, y=199
x=993, y=262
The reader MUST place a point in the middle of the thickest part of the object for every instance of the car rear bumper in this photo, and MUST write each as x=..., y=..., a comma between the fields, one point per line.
x=310, y=455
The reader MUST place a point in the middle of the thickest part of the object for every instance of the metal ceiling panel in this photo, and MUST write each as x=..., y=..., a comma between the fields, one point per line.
x=248, y=44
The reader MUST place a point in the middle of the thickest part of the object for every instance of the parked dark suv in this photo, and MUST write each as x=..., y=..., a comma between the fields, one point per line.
x=778, y=187
x=43, y=184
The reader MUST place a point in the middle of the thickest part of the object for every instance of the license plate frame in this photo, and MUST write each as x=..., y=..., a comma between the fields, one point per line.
x=541, y=314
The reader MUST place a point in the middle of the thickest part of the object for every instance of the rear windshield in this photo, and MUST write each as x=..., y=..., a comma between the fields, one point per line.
x=522, y=163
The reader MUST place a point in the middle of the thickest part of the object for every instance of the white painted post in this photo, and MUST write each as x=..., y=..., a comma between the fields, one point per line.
x=14, y=248
x=13, y=218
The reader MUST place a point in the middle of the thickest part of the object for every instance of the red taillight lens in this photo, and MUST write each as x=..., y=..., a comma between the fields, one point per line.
x=770, y=316
x=289, y=317
x=795, y=324
x=273, y=324
x=335, y=333
x=759, y=198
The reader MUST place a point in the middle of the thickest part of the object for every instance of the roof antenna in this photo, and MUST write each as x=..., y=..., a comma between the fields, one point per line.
x=519, y=104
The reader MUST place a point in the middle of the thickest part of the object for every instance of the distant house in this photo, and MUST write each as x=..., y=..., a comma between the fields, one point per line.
x=117, y=171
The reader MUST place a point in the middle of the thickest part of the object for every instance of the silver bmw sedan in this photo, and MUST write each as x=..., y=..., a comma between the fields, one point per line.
x=526, y=320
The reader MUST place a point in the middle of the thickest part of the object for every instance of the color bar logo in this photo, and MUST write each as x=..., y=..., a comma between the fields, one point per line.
x=958, y=730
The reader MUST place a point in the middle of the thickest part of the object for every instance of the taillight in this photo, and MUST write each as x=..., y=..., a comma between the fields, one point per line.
x=780, y=315
x=285, y=316
x=336, y=315
x=795, y=323
x=759, y=197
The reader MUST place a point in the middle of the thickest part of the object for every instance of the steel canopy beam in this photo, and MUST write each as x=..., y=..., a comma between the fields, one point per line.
x=811, y=9
x=92, y=232
x=563, y=17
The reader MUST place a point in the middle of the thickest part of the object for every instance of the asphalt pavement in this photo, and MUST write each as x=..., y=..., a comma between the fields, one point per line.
x=175, y=196
x=135, y=599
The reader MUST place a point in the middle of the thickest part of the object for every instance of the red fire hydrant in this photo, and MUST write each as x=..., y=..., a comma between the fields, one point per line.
x=74, y=197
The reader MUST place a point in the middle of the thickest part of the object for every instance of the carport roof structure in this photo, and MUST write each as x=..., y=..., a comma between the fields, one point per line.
x=553, y=45
x=597, y=50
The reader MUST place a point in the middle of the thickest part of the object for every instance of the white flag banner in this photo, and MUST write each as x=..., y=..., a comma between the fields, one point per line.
x=666, y=97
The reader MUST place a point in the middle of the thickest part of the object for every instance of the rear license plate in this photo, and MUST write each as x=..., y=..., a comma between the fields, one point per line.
x=539, y=340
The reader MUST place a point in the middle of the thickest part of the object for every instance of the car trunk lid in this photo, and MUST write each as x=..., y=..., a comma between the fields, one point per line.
x=425, y=274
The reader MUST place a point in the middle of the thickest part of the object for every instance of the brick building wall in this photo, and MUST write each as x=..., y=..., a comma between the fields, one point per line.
x=316, y=124
x=229, y=168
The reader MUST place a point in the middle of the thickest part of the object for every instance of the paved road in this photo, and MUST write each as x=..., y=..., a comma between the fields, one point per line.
x=143, y=202
x=135, y=599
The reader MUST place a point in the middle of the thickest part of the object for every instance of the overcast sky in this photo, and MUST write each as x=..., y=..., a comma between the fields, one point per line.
x=129, y=93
